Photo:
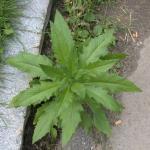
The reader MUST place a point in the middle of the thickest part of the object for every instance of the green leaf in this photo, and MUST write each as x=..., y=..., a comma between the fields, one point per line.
x=53, y=132
x=70, y=120
x=62, y=40
x=73, y=62
x=89, y=17
x=79, y=89
x=53, y=72
x=87, y=122
x=98, y=29
x=35, y=95
x=112, y=82
x=30, y=63
x=101, y=96
x=50, y=111
x=99, y=118
x=97, y=47
x=40, y=111
x=45, y=121
x=8, y=31
x=82, y=33
x=116, y=56
x=99, y=67
x=64, y=99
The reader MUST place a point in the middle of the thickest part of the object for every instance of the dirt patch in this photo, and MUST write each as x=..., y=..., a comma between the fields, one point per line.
x=136, y=14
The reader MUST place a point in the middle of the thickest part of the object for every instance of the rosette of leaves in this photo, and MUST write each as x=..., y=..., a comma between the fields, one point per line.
x=72, y=84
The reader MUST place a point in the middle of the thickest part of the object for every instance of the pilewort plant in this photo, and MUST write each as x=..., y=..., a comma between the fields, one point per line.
x=72, y=83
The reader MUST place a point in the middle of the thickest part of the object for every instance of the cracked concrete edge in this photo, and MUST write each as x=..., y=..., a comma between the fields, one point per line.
x=29, y=38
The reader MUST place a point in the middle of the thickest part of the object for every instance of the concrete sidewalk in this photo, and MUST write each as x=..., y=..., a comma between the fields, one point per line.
x=134, y=133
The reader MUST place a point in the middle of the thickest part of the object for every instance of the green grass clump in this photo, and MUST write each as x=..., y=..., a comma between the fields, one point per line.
x=9, y=13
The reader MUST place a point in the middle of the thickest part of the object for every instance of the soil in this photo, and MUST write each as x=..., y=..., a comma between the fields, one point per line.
x=133, y=17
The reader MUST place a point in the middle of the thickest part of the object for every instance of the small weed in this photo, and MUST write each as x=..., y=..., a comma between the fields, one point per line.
x=77, y=79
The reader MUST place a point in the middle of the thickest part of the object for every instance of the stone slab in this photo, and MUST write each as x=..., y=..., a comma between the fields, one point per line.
x=29, y=38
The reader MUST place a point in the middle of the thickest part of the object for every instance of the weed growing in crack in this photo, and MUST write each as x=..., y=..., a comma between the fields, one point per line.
x=78, y=79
